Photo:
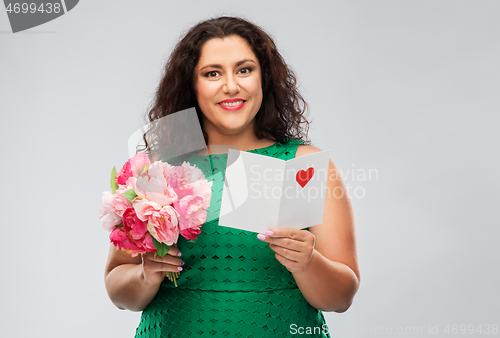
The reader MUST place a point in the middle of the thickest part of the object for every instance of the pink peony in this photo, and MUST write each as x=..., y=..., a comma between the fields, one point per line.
x=176, y=178
x=132, y=224
x=133, y=237
x=153, y=186
x=120, y=203
x=107, y=212
x=121, y=240
x=189, y=180
x=191, y=215
x=137, y=231
x=130, y=184
x=162, y=220
x=190, y=233
x=197, y=182
x=171, y=201
x=132, y=168
x=146, y=244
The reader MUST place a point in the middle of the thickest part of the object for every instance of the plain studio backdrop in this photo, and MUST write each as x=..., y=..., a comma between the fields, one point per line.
x=405, y=94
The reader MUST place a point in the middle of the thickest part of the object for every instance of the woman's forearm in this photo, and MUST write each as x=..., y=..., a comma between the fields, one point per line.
x=128, y=289
x=327, y=285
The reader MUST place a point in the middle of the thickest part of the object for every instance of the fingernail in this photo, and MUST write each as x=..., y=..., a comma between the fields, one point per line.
x=179, y=268
x=269, y=233
x=179, y=254
x=261, y=237
x=182, y=262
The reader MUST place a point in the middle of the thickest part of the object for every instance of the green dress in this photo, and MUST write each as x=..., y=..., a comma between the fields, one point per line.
x=232, y=284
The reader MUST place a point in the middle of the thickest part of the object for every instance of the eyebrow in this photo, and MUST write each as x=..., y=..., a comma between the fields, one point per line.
x=239, y=63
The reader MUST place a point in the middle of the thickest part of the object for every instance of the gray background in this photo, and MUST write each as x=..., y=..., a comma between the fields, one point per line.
x=406, y=88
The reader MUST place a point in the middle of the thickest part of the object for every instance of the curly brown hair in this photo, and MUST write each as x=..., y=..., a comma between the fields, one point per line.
x=282, y=113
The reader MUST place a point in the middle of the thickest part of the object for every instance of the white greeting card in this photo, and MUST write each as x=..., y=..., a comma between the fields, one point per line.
x=262, y=192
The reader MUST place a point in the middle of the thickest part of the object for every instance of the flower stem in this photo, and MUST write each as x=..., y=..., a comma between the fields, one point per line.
x=172, y=276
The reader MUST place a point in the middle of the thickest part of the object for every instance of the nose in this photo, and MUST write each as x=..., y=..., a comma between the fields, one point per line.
x=231, y=85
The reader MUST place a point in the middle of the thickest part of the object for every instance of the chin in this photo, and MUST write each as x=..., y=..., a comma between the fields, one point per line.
x=235, y=126
x=232, y=131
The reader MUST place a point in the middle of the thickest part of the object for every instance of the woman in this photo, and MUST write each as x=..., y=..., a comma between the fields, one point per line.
x=232, y=283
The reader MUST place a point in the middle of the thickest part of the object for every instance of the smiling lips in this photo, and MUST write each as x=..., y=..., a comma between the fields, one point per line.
x=232, y=104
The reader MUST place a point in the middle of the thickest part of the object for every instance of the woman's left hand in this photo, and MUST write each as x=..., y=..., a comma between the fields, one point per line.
x=293, y=248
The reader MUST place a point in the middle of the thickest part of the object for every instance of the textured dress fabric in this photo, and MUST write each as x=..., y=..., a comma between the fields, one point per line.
x=232, y=284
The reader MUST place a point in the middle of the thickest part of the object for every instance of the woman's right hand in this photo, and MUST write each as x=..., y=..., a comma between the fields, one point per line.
x=154, y=268
x=133, y=282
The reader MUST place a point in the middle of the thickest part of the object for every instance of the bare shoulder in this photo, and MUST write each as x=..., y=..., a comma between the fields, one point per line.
x=304, y=149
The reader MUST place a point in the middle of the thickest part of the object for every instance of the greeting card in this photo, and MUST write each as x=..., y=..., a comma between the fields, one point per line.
x=262, y=192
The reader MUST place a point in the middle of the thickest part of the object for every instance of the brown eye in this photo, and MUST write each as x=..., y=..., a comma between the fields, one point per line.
x=211, y=74
x=245, y=70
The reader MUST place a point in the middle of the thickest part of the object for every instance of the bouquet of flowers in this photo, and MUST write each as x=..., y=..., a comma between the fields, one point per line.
x=152, y=203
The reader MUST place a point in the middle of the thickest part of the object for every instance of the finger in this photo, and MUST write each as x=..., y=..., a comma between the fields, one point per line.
x=292, y=255
x=298, y=235
x=165, y=259
x=287, y=243
x=287, y=263
x=174, y=251
x=153, y=267
x=292, y=244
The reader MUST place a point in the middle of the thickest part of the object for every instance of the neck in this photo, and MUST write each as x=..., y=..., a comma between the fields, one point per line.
x=244, y=140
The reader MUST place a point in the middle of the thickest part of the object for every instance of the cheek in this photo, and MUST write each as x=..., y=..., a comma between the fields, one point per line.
x=203, y=93
x=255, y=87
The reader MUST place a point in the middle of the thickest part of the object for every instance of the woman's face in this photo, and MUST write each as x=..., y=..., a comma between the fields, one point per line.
x=228, y=85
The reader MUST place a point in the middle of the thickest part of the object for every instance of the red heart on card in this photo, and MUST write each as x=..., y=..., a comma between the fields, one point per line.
x=304, y=176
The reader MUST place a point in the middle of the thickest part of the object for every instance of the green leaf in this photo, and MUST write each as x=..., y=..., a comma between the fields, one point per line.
x=192, y=240
x=130, y=195
x=162, y=248
x=114, y=186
